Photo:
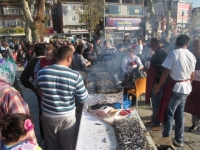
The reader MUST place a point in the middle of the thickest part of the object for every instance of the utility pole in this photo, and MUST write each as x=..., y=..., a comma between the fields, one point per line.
x=182, y=20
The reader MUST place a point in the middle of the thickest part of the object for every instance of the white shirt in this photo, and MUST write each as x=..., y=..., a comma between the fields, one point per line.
x=138, y=49
x=181, y=63
x=127, y=59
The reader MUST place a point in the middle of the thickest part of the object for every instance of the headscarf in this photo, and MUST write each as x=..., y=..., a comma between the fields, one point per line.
x=7, y=72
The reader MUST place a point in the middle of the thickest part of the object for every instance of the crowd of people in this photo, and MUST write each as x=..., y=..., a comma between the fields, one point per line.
x=59, y=70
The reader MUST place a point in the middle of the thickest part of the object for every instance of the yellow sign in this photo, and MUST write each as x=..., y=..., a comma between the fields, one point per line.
x=12, y=31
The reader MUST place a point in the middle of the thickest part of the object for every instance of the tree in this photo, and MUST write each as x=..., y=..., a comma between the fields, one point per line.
x=152, y=17
x=35, y=23
x=168, y=8
x=91, y=13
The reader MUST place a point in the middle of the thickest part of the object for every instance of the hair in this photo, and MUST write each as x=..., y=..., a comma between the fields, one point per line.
x=182, y=40
x=39, y=49
x=106, y=42
x=197, y=40
x=12, y=126
x=50, y=47
x=90, y=45
x=63, y=52
x=120, y=46
x=155, y=41
x=70, y=44
x=130, y=50
x=97, y=38
x=5, y=44
x=79, y=49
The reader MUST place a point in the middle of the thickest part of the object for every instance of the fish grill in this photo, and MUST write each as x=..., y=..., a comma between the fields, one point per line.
x=102, y=83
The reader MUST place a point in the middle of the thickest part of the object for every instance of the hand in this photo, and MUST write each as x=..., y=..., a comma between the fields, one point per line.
x=156, y=89
x=88, y=63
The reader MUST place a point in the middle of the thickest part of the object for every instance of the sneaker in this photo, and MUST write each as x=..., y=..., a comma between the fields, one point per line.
x=177, y=143
x=193, y=128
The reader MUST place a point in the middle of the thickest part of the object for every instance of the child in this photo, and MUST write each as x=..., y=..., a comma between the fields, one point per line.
x=49, y=59
x=15, y=129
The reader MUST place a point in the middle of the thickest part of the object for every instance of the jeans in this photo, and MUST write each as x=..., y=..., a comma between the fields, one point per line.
x=175, y=110
x=195, y=120
x=156, y=99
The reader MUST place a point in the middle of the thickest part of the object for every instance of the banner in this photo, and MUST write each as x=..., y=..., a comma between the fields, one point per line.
x=12, y=31
x=122, y=22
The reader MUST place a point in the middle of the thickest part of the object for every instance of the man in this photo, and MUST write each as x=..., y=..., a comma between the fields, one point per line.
x=167, y=45
x=153, y=77
x=145, y=50
x=97, y=48
x=109, y=52
x=28, y=72
x=7, y=52
x=179, y=66
x=91, y=56
x=59, y=86
x=193, y=103
x=139, y=47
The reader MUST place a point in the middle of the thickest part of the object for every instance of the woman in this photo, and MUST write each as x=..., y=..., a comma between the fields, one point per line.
x=21, y=57
x=79, y=63
x=10, y=100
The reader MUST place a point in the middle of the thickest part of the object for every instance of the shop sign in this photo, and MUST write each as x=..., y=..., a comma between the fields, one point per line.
x=122, y=22
x=12, y=31
x=120, y=28
x=48, y=31
x=110, y=27
x=132, y=28
x=75, y=31
x=79, y=31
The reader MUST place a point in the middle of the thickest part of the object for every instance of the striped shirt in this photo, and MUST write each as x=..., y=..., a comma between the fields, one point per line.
x=59, y=86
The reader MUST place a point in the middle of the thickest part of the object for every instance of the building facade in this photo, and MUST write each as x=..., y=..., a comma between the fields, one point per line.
x=12, y=21
x=123, y=17
x=180, y=16
x=65, y=19
x=120, y=16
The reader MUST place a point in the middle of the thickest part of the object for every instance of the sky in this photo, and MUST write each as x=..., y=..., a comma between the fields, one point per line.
x=196, y=3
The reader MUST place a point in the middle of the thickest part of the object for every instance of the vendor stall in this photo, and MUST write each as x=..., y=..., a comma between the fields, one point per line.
x=105, y=124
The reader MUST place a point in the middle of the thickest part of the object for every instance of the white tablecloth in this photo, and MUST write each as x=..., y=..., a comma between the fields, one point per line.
x=100, y=137
x=95, y=137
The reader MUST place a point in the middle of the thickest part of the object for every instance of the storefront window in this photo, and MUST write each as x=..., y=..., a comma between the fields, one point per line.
x=11, y=10
x=134, y=10
x=124, y=10
x=1, y=26
x=12, y=23
x=128, y=1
